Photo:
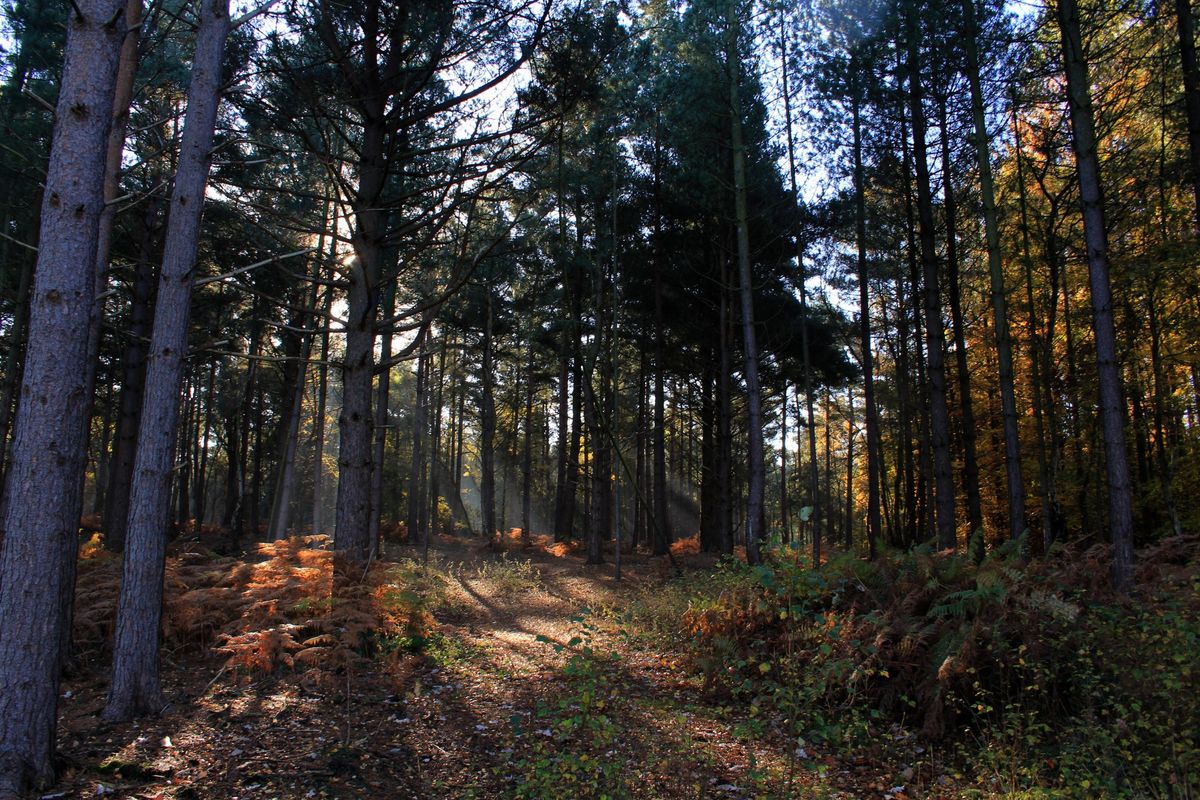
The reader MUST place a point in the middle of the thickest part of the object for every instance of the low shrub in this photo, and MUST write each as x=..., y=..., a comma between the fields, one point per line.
x=297, y=607
x=1052, y=677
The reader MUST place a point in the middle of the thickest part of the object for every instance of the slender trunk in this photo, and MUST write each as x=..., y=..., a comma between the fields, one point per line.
x=906, y=512
x=564, y=430
x=135, y=688
x=200, y=495
x=237, y=448
x=1112, y=404
x=183, y=473
x=133, y=379
x=970, y=455
x=663, y=534
x=527, y=449
x=122, y=97
x=487, y=425
x=831, y=518
x=921, y=509
x=849, y=532
x=104, y=447
x=430, y=466
x=1162, y=455
x=755, y=474
x=318, y=507
x=641, y=443
x=435, y=443
x=380, y=427
x=564, y=487
x=991, y=225
x=295, y=378
x=1035, y=347
x=935, y=331
x=14, y=363
x=1191, y=91
x=1082, y=467
x=255, y=504
x=709, y=539
x=874, y=521
x=724, y=488
x=783, y=482
x=412, y=518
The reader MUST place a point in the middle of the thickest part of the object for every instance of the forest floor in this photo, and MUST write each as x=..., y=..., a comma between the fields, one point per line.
x=531, y=683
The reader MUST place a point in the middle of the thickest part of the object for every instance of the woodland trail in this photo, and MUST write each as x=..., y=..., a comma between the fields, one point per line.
x=512, y=622
x=529, y=685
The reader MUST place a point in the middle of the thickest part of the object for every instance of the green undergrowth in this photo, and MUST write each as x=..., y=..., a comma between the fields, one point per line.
x=574, y=733
x=1034, y=679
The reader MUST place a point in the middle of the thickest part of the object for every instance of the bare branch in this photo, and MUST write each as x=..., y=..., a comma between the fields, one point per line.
x=256, y=265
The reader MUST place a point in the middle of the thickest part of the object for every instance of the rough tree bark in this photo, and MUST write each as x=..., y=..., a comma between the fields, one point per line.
x=1091, y=198
x=50, y=435
x=135, y=688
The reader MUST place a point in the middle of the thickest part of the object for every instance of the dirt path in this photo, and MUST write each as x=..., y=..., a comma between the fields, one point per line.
x=539, y=684
x=527, y=687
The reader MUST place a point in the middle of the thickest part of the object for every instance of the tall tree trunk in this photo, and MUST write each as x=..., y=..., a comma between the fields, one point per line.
x=122, y=97
x=1035, y=347
x=970, y=454
x=295, y=375
x=183, y=461
x=37, y=567
x=527, y=449
x=921, y=509
x=200, y=494
x=906, y=462
x=237, y=446
x=380, y=427
x=355, y=421
x=104, y=446
x=849, y=532
x=1112, y=404
x=14, y=364
x=783, y=482
x=135, y=688
x=641, y=444
x=1082, y=464
x=814, y=520
x=709, y=525
x=564, y=430
x=755, y=469
x=1191, y=91
x=991, y=226
x=416, y=472
x=435, y=442
x=724, y=487
x=935, y=331
x=874, y=520
x=116, y=510
x=831, y=518
x=487, y=425
x=318, y=499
